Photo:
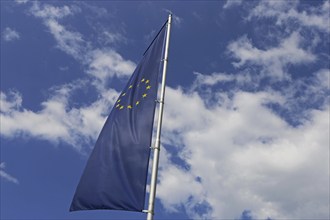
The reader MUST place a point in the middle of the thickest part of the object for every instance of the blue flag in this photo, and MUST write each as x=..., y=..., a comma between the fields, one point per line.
x=116, y=173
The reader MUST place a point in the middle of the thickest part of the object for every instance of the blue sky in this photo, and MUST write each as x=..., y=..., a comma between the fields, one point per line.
x=246, y=121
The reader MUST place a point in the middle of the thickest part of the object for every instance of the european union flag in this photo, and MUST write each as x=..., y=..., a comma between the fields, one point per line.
x=116, y=173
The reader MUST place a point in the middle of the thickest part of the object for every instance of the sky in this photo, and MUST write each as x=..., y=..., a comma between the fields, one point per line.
x=246, y=120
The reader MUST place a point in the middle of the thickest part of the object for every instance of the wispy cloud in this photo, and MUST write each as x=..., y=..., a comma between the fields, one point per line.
x=10, y=35
x=101, y=63
x=215, y=78
x=175, y=18
x=232, y=3
x=7, y=176
x=111, y=38
x=47, y=11
x=70, y=42
x=21, y=1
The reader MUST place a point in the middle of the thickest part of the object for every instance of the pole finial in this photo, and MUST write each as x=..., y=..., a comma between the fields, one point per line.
x=170, y=18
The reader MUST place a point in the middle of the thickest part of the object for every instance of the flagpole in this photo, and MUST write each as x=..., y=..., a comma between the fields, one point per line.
x=154, y=172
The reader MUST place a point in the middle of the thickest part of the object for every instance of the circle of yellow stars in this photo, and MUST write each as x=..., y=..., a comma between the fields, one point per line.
x=144, y=95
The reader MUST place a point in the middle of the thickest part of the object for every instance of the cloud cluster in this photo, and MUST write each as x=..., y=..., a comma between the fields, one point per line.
x=241, y=155
x=286, y=12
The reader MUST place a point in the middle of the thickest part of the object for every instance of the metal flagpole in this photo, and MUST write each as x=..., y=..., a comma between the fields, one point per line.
x=154, y=171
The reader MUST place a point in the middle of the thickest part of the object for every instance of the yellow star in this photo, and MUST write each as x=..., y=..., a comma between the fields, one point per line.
x=117, y=105
x=129, y=107
x=137, y=102
x=130, y=86
x=123, y=94
x=144, y=95
x=121, y=107
x=147, y=81
x=148, y=87
x=118, y=101
x=142, y=80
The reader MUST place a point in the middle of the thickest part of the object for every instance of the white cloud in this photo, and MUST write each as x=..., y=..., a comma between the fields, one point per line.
x=247, y=157
x=47, y=124
x=7, y=176
x=10, y=35
x=273, y=61
x=108, y=63
x=284, y=12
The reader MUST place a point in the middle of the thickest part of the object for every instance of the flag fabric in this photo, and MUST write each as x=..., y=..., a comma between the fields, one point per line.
x=116, y=173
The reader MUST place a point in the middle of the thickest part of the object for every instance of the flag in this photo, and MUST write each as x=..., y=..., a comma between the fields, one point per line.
x=116, y=173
